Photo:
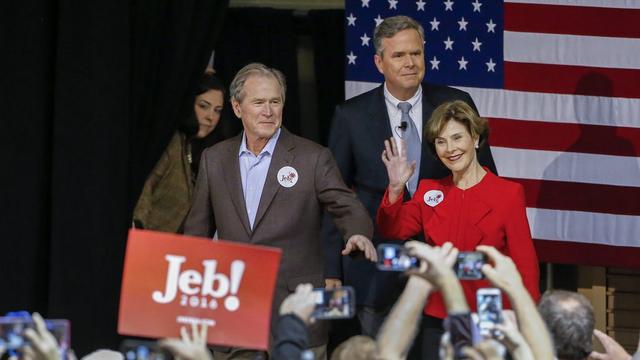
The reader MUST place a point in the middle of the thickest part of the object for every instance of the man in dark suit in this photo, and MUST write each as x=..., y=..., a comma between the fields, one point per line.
x=360, y=127
x=269, y=187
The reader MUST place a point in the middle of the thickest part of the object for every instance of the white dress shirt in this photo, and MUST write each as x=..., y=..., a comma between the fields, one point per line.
x=253, y=173
x=395, y=114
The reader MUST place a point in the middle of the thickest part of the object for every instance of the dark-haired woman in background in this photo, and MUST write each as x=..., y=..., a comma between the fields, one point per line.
x=166, y=196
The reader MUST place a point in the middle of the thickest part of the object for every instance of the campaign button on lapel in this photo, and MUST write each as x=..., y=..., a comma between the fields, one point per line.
x=433, y=197
x=287, y=176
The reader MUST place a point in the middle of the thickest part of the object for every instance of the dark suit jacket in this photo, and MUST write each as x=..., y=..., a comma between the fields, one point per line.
x=360, y=127
x=287, y=218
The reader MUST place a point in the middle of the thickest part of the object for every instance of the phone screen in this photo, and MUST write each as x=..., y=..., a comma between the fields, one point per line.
x=338, y=303
x=143, y=350
x=469, y=265
x=460, y=328
x=394, y=257
x=12, y=333
x=489, y=310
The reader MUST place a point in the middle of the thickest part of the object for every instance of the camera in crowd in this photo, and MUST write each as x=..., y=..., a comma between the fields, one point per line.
x=12, y=330
x=338, y=303
x=469, y=265
x=394, y=257
x=143, y=350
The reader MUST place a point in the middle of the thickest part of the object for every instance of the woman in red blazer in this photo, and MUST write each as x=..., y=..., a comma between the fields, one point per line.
x=470, y=207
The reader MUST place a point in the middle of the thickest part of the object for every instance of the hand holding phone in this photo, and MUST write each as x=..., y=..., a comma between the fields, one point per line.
x=394, y=257
x=337, y=303
x=17, y=332
x=301, y=302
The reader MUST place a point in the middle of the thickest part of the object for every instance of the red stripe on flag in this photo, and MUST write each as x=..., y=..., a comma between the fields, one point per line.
x=563, y=195
x=565, y=79
x=582, y=138
x=573, y=20
x=562, y=252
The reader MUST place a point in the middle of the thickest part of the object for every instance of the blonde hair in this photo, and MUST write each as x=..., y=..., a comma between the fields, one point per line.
x=461, y=112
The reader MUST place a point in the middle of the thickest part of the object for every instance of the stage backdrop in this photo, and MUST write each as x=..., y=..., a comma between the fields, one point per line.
x=559, y=84
x=91, y=93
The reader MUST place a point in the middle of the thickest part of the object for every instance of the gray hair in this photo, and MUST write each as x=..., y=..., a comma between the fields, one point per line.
x=391, y=26
x=569, y=317
x=236, y=89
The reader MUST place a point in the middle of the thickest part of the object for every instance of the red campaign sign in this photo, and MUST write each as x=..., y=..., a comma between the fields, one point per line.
x=173, y=280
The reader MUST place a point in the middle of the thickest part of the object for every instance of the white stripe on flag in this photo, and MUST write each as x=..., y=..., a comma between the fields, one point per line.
x=567, y=166
x=621, y=4
x=596, y=51
x=355, y=88
x=584, y=227
x=573, y=109
x=556, y=108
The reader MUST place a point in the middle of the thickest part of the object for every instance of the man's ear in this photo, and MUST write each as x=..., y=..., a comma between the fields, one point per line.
x=377, y=59
x=235, y=105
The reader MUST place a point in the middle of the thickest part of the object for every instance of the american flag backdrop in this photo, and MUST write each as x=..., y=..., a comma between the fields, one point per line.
x=559, y=81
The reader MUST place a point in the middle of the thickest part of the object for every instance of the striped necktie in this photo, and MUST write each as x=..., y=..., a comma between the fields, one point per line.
x=413, y=144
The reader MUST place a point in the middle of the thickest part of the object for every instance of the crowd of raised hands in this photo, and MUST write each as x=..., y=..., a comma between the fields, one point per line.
x=522, y=333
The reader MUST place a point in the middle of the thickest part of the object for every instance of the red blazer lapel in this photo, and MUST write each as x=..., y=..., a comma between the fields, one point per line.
x=478, y=210
x=438, y=226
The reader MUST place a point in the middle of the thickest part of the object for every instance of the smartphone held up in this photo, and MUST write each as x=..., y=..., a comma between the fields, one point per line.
x=337, y=303
x=143, y=350
x=13, y=340
x=489, y=302
x=469, y=265
x=394, y=257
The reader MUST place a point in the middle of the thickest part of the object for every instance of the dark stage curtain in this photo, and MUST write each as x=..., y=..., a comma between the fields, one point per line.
x=260, y=35
x=90, y=95
x=327, y=31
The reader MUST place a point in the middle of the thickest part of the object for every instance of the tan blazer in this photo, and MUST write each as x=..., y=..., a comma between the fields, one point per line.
x=166, y=196
x=287, y=218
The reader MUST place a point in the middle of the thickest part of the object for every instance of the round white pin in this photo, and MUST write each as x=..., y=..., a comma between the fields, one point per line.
x=433, y=197
x=287, y=176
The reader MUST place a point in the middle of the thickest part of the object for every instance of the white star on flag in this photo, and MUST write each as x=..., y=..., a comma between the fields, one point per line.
x=420, y=5
x=448, y=44
x=476, y=6
x=352, y=20
x=378, y=20
x=448, y=5
x=463, y=63
x=463, y=24
x=365, y=3
x=491, y=66
x=392, y=4
x=434, y=24
x=434, y=63
x=491, y=26
x=365, y=39
x=352, y=58
x=476, y=45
